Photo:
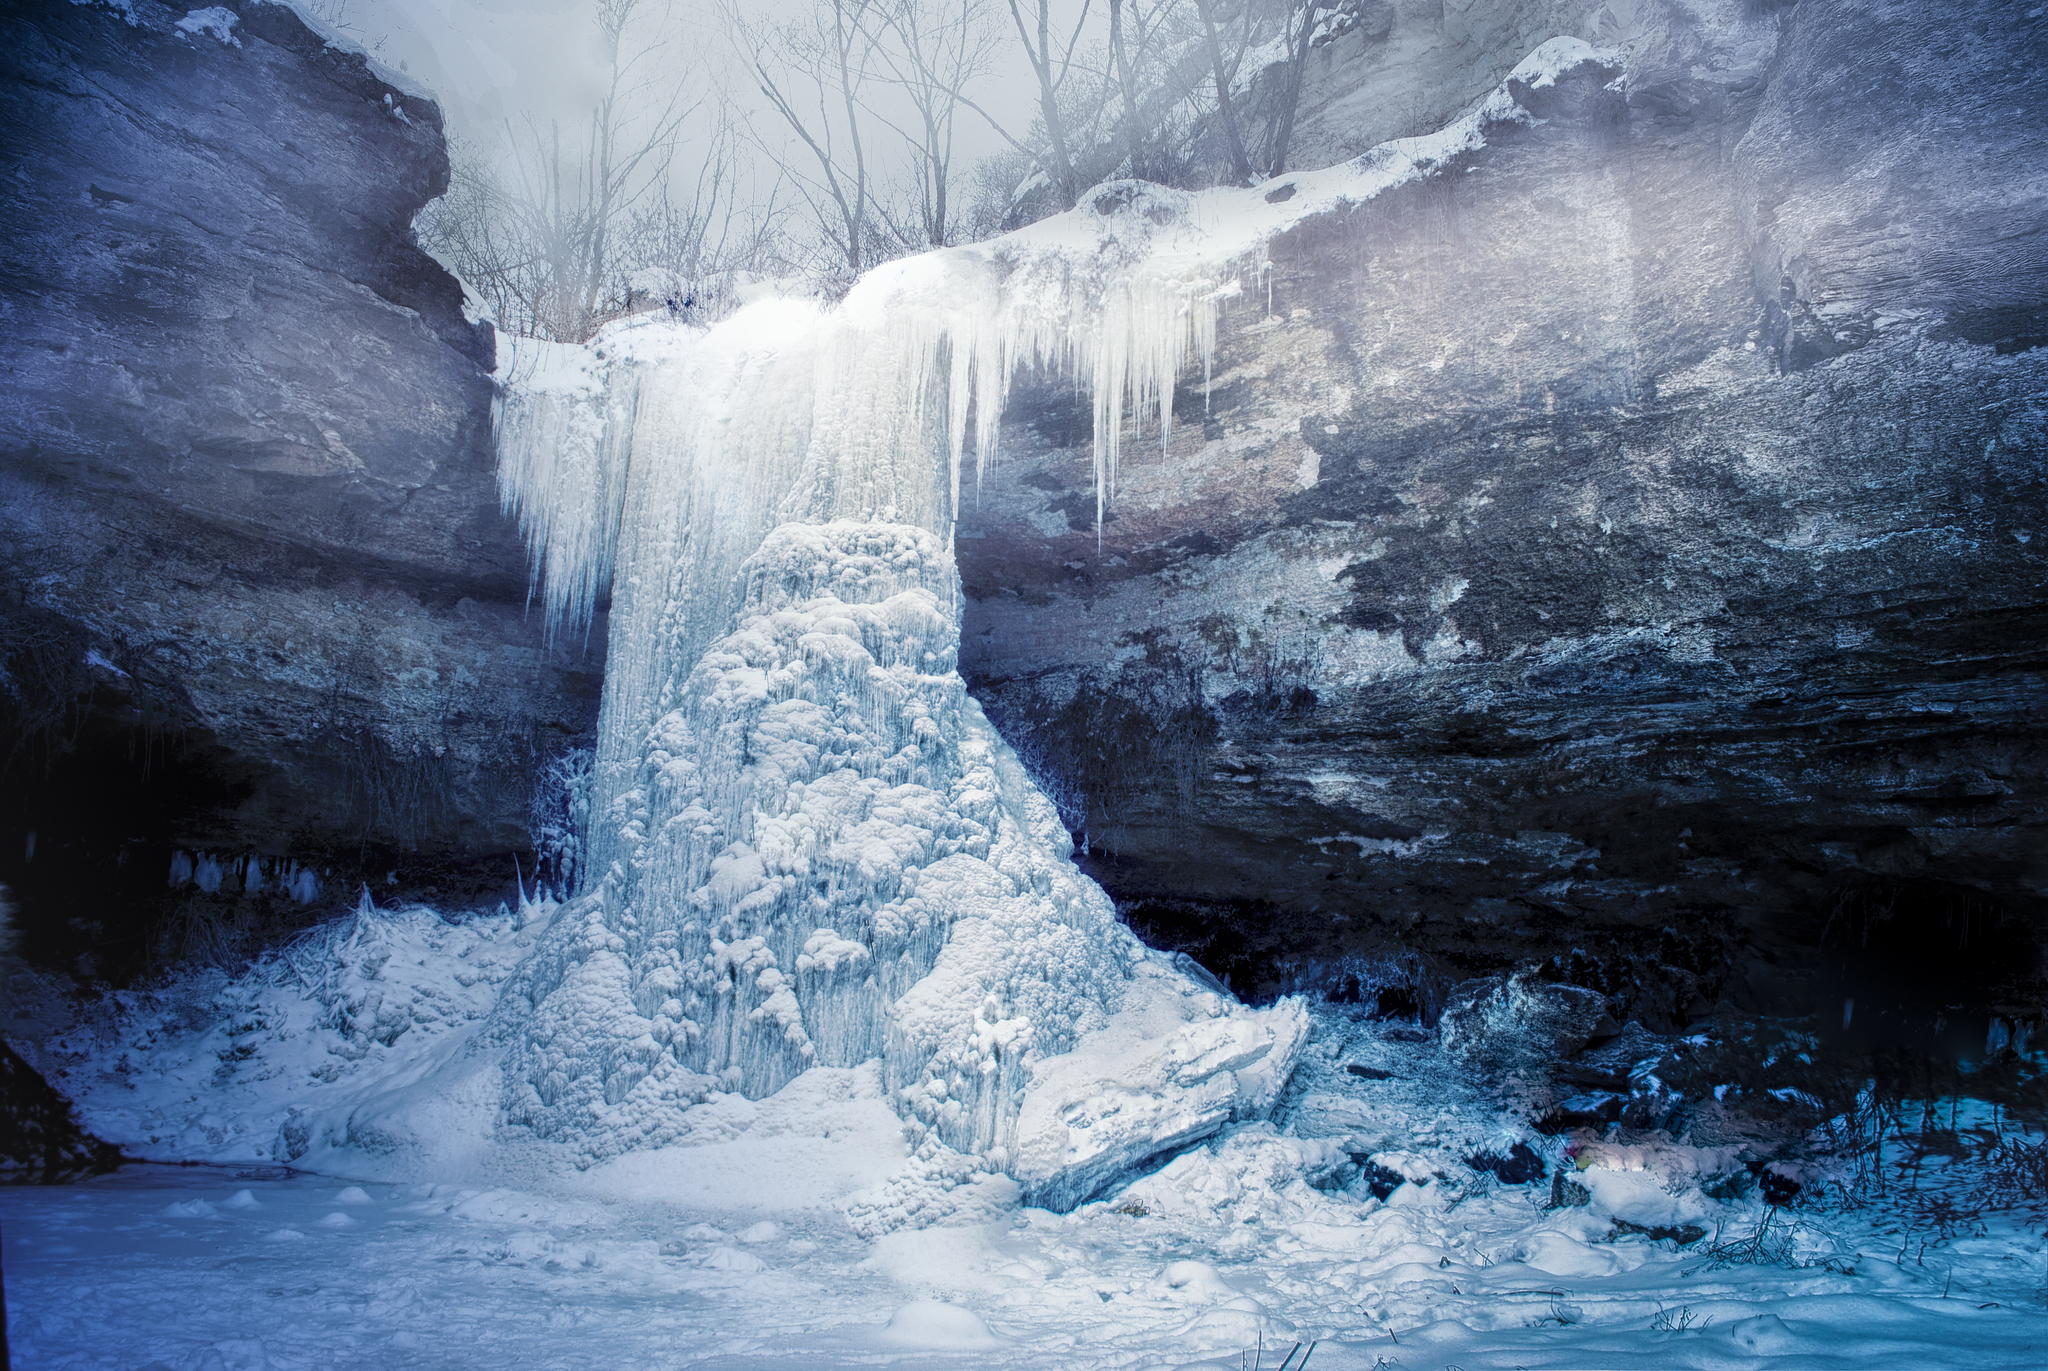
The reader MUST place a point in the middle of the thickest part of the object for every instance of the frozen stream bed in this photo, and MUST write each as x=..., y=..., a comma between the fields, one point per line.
x=736, y=1252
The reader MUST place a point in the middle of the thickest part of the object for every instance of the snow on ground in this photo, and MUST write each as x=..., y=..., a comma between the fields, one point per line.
x=334, y=1026
x=735, y=1249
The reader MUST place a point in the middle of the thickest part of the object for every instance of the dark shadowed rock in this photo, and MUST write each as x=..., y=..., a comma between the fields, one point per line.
x=1519, y=1165
x=41, y=1142
x=256, y=594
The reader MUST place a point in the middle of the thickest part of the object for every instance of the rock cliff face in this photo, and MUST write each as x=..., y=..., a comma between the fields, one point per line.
x=256, y=595
x=1624, y=550
x=41, y=1142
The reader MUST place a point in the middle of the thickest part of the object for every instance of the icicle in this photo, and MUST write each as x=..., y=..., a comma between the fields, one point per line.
x=554, y=473
x=661, y=419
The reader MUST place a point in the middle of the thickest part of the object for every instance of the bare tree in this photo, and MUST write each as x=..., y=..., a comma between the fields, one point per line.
x=813, y=73
x=1052, y=62
x=1299, y=19
x=1156, y=57
x=471, y=230
x=933, y=50
x=1180, y=73
x=575, y=204
x=537, y=230
x=1224, y=72
x=1127, y=85
x=578, y=220
x=692, y=242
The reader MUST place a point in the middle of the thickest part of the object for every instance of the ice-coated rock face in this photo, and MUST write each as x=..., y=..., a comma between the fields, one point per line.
x=1621, y=545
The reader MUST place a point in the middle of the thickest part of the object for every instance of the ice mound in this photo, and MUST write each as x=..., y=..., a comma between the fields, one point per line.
x=935, y=1324
x=1172, y=1066
x=832, y=858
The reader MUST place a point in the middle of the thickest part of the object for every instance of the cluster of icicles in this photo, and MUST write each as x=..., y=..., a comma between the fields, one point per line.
x=807, y=846
x=916, y=362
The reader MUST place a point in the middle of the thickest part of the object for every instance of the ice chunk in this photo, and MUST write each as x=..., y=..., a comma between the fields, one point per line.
x=1173, y=1067
x=940, y=1326
x=214, y=21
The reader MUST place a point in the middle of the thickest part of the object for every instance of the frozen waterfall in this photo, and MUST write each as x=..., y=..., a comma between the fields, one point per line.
x=817, y=894
x=808, y=847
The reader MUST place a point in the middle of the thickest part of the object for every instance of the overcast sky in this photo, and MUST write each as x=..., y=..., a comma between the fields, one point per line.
x=489, y=61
